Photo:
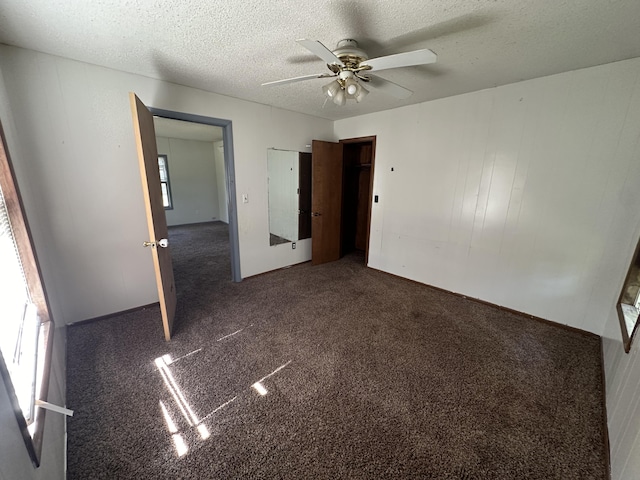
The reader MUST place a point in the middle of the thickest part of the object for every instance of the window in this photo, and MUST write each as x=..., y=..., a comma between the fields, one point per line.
x=18, y=343
x=27, y=330
x=629, y=302
x=163, y=166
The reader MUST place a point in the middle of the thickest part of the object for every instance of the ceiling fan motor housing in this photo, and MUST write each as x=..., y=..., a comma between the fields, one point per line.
x=349, y=53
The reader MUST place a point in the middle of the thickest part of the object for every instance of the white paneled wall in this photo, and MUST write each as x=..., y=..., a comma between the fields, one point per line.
x=623, y=402
x=517, y=195
x=193, y=179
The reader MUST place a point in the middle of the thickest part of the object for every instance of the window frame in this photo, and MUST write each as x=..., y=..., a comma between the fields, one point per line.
x=628, y=335
x=165, y=158
x=32, y=435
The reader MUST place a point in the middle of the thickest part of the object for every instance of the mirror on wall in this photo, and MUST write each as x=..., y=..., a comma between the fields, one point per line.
x=289, y=184
x=629, y=303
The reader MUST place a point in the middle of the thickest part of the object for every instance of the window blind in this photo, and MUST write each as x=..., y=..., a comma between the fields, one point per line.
x=18, y=317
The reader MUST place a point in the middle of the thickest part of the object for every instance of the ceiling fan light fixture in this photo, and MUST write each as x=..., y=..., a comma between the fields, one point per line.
x=361, y=93
x=340, y=98
x=339, y=90
x=351, y=86
x=331, y=89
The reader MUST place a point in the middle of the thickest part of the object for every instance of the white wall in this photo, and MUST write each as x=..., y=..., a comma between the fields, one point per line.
x=76, y=135
x=193, y=180
x=517, y=195
x=223, y=199
x=15, y=463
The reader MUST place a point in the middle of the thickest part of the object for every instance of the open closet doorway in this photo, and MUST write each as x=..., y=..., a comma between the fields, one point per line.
x=357, y=188
x=342, y=196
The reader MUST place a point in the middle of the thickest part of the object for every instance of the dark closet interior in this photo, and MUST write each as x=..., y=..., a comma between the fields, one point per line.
x=356, y=196
x=304, y=196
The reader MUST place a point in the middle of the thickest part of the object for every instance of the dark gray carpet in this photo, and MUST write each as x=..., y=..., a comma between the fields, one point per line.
x=367, y=376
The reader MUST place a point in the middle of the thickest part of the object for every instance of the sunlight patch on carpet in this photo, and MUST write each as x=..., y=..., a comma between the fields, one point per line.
x=258, y=387
x=178, y=441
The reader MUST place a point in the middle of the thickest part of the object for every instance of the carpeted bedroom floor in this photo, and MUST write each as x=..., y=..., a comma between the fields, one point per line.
x=333, y=371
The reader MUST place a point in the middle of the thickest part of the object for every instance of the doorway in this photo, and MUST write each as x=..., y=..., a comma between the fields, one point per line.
x=357, y=186
x=342, y=187
x=192, y=177
x=229, y=173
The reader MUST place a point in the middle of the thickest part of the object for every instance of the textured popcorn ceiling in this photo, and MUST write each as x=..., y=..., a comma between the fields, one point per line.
x=231, y=47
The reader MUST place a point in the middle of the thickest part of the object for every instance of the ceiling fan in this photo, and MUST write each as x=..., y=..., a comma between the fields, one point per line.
x=350, y=65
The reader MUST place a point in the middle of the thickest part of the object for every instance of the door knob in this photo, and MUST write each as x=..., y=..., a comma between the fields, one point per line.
x=315, y=214
x=163, y=242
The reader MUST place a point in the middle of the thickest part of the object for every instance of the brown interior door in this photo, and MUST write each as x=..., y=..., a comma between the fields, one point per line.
x=156, y=219
x=326, y=201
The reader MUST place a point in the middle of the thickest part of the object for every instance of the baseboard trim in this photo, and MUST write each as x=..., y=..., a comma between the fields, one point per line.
x=111, y=315
x=499, y=307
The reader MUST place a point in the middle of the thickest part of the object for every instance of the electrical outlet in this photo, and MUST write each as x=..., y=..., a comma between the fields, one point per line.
x=293, y=245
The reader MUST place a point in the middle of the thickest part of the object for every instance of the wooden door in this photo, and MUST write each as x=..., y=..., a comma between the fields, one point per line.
x=156, y=219
x=326, y=201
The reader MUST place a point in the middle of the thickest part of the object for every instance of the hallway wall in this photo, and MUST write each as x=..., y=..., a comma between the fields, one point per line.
x=193, y=179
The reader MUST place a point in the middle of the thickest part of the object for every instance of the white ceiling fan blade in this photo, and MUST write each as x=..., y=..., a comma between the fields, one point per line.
x=298, y=79
x=320, y=50
x=389, y=88
x=408, y=59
